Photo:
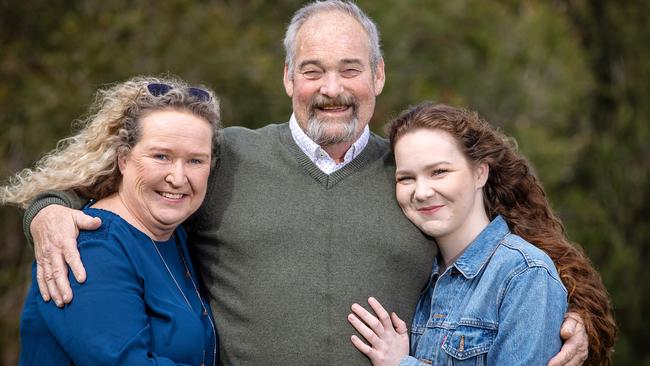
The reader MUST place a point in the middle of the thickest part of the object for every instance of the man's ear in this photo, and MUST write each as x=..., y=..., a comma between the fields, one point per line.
x=380, y=77
x=288, y=81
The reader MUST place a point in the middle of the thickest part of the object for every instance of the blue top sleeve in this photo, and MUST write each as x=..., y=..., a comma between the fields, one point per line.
x=106, y=323
x=130, y=310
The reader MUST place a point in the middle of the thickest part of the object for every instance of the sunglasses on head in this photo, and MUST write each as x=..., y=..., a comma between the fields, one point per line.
x=159, y=89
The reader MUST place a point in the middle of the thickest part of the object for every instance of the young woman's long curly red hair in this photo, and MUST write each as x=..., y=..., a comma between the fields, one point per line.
x=514, y=192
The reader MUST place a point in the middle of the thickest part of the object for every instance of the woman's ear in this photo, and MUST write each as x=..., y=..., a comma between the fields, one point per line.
x=482, y=173
x=121, y=161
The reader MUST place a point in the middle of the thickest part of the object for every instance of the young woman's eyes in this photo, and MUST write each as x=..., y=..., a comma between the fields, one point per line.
x=404, y=179
x=439, y=171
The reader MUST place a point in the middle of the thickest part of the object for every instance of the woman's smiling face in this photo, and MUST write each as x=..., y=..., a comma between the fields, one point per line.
x=437, y=187
x=164, y=176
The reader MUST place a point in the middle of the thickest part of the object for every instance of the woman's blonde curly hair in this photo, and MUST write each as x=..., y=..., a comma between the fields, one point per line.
x=87, y=162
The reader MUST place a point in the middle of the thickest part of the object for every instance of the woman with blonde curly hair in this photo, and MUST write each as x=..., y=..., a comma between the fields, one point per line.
x=143, y=156
x=505, y=269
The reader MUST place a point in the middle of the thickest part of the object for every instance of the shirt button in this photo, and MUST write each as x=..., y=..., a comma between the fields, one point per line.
x=205, y=312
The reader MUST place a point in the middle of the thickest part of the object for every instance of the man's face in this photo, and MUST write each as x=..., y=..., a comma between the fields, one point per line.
x=332, y=85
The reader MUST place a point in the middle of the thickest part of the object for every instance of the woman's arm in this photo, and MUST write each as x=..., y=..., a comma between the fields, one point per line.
x=387, y=335
x=530, y=316
x=107, y=323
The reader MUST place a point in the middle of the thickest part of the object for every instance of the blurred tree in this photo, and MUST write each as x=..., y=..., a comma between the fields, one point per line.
x=608, y=202
x=524, y=72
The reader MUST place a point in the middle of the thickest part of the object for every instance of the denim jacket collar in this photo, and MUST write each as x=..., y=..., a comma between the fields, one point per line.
x=472, y=313
x=470, y=263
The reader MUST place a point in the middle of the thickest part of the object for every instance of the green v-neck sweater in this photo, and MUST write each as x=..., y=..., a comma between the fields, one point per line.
x=285, y=249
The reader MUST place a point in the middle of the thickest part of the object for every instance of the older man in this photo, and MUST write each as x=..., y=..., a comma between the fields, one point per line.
x=300, y=219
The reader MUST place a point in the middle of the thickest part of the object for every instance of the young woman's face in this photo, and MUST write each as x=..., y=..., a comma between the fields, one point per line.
x=437, y=187
x=165, y=175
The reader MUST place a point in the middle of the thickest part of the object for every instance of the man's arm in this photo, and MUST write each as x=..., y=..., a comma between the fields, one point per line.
x=576, y=343
x=53, y=229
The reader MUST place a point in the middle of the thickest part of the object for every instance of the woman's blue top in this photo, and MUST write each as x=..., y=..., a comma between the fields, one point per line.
x=500, y=303
x=129, y=311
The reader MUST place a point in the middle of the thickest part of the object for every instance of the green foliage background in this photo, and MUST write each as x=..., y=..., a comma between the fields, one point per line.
x=569, y=79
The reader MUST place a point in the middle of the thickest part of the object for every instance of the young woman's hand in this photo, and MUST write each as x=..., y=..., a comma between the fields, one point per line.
x=387, y=335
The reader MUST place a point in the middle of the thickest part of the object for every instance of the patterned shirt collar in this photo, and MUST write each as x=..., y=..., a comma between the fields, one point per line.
x=318, y=156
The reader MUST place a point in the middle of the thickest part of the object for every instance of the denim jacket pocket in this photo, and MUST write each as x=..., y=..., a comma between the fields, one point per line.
x=468, y=344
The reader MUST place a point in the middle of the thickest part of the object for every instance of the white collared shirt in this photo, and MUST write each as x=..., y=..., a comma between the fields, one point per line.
x=318, y=155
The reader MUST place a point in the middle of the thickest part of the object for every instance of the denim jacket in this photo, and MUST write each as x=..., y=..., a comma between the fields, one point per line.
x=500, y=303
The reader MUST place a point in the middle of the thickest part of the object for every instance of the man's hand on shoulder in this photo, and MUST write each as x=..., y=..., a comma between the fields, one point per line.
x=576, y=342
x=55, y=229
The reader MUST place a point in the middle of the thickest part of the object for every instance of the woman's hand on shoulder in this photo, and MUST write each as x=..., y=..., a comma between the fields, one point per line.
x=386, y=335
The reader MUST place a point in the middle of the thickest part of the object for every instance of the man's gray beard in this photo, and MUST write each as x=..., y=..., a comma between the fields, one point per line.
x=317, y=131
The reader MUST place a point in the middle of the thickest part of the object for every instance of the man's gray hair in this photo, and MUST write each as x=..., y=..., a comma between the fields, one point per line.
x=316, y=7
